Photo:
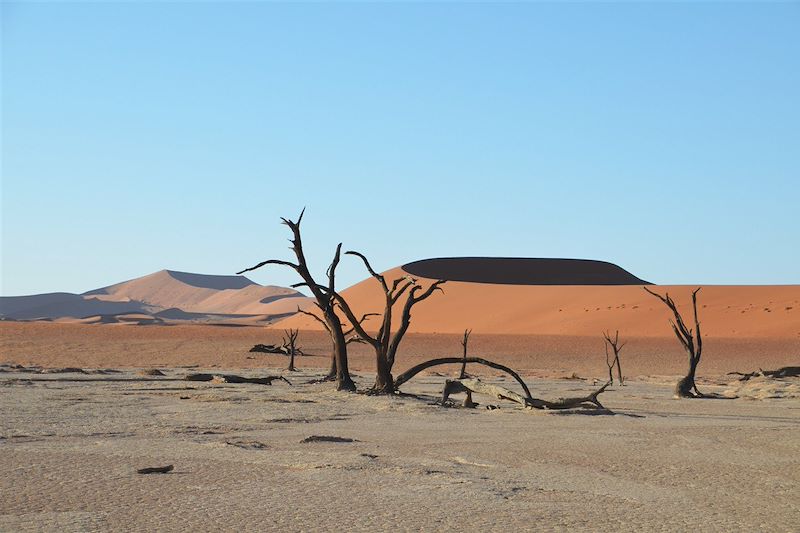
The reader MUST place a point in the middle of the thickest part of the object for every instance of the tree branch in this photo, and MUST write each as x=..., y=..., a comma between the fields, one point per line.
x=270, y=262
x=371, y=271
x=315, y=317
x=354, y=322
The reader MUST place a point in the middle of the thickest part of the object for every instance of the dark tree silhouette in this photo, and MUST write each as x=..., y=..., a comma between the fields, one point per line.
x=464, y=342
x=691, y=341
x=289, y=340
x=462, y=374
x=348, y=333
x=324, y=296
x=384, y=342
x=616, y=347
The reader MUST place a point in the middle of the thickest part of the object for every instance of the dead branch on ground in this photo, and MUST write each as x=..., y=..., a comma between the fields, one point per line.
x=232, y=378
x=783, y=372
x=469, y=385
x=475, y=385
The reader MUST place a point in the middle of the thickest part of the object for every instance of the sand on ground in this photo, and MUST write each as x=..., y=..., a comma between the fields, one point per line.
x=71, y=445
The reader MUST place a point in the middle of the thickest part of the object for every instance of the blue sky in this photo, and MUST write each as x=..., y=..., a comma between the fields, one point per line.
x=141, y=136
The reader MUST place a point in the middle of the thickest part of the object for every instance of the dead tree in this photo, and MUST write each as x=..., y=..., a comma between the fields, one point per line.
x=349, y=336
x=464, y=342
x=289, y=341
x=691, y=341
x=462, y=374
x=384, y=342
x=324, y=296
x=616, y=348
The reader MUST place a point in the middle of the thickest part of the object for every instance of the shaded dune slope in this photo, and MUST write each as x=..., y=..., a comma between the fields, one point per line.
x=63, y=304
x=522, y=271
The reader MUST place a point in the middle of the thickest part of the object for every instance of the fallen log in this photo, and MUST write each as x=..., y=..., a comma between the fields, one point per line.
x=413, y=371
x=470, y=385
x=589, y=401
x=467, y=385
x=232, y=378
x=783, y=372
x=156, y=470
x=326, y=438
x=274, y=349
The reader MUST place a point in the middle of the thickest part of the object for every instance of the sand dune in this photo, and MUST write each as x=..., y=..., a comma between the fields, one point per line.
x=197, y=293
x=490, y=308
x=165, y=295
x=243, y=461
x=60, y=304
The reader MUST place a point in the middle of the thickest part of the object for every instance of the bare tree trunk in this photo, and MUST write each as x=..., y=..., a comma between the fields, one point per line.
x=384, y=382
x=686, y=388
x=464, y=342
x=343, y=380
x=331, y=375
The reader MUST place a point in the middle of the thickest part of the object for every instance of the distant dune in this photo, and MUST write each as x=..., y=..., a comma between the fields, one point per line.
x=579, y=310
x=161, y=297
x=62, y=304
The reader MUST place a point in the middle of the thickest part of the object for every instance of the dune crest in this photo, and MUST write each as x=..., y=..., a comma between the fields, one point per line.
x=582, y=310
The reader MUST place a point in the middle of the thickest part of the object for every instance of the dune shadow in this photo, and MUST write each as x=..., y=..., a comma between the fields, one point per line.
x=523, y=271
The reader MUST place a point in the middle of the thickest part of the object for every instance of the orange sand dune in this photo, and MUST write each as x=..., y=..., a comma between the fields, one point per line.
x=163, y=296
x=197, y=293
x=489, y=308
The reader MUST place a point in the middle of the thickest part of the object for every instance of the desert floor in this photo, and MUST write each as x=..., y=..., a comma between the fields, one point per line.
x=117, y=346
x=71, y=443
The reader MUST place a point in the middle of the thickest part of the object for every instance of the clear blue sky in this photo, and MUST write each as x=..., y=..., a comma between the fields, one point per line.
x=141, y=136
